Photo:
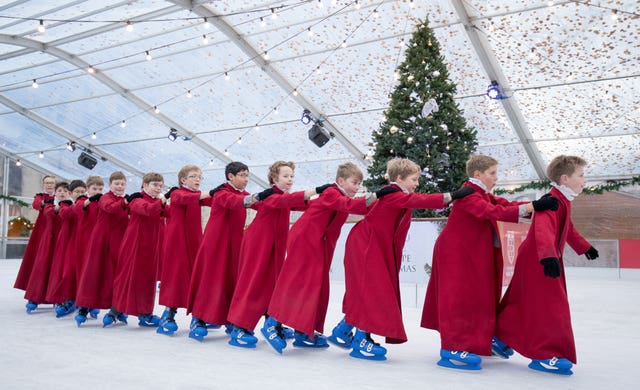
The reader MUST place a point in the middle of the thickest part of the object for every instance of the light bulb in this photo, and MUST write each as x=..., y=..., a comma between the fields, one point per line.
x=211, y=162
x=266, y=56
x=34, y=84
x=91, y=70
x=226, y=76
x=41, y=155
x=262, y=22
x=344, y=44
x=149, y=58
x=41, y=27
x=357, y=4
x=310, y=32
x=18, y=163
x=319, y=3
x=295, y=92
x=94, y=135
x=189, y=94
x=207, y=25
x=205, y=40
x=156, y=109
x=123, y=124
x=129, y=26
x=274, y=14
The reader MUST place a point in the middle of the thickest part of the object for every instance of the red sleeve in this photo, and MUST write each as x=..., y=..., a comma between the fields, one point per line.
x=112, y=204
x=286, y=200
x=145, y=207
x=228, y=199
x=414, y=200
x=576, y=241
x=185, y=197
x=545, y=229
x=37, y=201
x=478, y=206
x=335, y=200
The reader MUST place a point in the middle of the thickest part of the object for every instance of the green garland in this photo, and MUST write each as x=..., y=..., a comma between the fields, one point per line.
x=17, y=201
x=610, y=185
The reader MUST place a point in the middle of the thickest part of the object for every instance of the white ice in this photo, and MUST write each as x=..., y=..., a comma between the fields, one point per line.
x=40, y=351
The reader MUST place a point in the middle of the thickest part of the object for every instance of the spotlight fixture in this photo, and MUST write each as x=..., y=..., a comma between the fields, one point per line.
x=173, y=134
x=306, y=117
x=71, y=146
x=494, y=92
x=87, y=160
x=318, y=135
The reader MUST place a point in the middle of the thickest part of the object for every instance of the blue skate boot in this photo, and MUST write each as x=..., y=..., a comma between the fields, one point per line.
x=81, y=317
x=242, y=338
x=365, y=348
x=213, y=326
x=94, y=313
x=228, y=328
x=168, y=324
x=148, y=320
x=272, y=331
x=460, y=360
x=341, y=335
x=500, y=349
x=112, y=317
x=304, y=341
x=560, y=366
x=197, y=329
x=65, y=309
x=31, y=306
x=288, y=333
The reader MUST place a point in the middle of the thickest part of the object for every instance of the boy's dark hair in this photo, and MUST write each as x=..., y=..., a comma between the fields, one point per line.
x=62, y=184
x=234, y=168
x=75, y=184
x=564, y=165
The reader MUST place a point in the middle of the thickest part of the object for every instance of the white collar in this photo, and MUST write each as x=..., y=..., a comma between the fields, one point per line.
x=566, y=191
x=145, y=191
x=234, y=187
x=341, y=189
x=401, y=187
x=479, y=183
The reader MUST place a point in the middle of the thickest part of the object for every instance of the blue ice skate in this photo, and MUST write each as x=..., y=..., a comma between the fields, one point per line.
x=341, y=335
x=560, y=366
x=122, y=317
x=168, y=324
x=304, y=341
x=363, y=347
x=108, y=319
x=500, y=349
x=272, y=331
x=94, y=313
x=31, y=306
x=228, y=328
x=288, y=333
x=460, y=360
x=197, y=329
x=65, y=309
x=242, y=338
x=80, y=318
x=148, y=320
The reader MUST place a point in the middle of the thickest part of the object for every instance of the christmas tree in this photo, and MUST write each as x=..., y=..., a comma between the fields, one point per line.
x=423, y=122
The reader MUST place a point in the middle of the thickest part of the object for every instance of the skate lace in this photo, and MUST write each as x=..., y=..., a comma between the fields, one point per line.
x=553, y=361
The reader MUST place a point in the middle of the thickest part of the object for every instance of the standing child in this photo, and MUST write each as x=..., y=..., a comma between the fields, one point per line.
x=38, y=281
x=215, y=271
x=184, y=233
x=134, y=288
x=29, y=258
x=95, y=288
x=373, y=256
x=466, y=279
x=534, y=316
x=261, y=256
x=62, y=279
x=301, y=293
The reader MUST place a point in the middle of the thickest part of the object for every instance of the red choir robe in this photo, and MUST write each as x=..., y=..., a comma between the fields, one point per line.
x=184, y=234
x=215, y=271
x=466, y=276
x=30, y=253
x=301, y=294
x=59, y=288
x=161, y=236
x=95, y=288
x=134, y=288
x=372, y=261
x=87, y=219
x=37, y=288
x=261, y=257
x=534, y=317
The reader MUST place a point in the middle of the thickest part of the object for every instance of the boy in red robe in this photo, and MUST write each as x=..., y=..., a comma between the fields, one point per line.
x=62, y=284
x=95, y=287
x=215, y=271
x=134, y=287
x=301, y=294
x=87, y=209
x=261, y=257
x=36, y=290
x=466, y=279
x=184, y=234
x=373, y=256
x=534, y=317
x=29, y=258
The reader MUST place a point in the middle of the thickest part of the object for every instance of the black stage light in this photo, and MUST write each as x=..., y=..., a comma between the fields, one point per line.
x=87, y=160
x=318, y=135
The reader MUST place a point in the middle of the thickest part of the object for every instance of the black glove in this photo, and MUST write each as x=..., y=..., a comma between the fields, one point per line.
x=551, y=267
x=265, y=194
x=592, y=253
x=386, y=191
x=133, y=196
x=546, y=202
x=323, y=187
x=95, y=198
x=49, y=201
x=461, y=193
x=218, y=188
x=167, y=194
x=68, y=202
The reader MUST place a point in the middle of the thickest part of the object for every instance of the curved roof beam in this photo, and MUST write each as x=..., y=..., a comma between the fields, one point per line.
x=276, y=76
x=104, y=79
x=494, y=71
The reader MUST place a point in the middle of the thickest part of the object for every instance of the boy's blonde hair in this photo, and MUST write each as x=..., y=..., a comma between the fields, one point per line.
x=274, y=169
x=152, y=176
x=94, y=181
x=117, y=175
x=564, y=165
x=401, y=167
x=184, y=171
x=480, y=162
x=48, y=176
x=348, y=170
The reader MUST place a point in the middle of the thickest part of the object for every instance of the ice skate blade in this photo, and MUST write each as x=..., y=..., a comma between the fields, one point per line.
x=275, y=341
x=165, y=331
x=236, y=343
x=319, y=343
x=447, y=363
x=359, y=355
x=196, y=336
x=94, y=313
x=500, y=349
x=335, y=340
x=80, y=319
x=542, y=367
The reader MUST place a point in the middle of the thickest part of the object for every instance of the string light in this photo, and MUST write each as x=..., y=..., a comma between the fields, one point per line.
x=411, y=4
x=41, y=27
x=318, y=69
x=226, y=152
x=614, y=15
x=91, y=69
x=205, y=40
x=156, y=109
x=94, y=135
x=319, y=4
x=262, y=22
x=375, y=13
x=274, y=14
x=256, y=127
x=123, y=124
x=41, y=155
x=550, y=3
x=149, y=58
x=226, y=76
x=266, y=56
x=275, y=110
x=357, y=4
x=189, y=94
x=295, y=92
x=71, y=146
x=129, y=26
x=18, y=163
x=34, y=84
x=344, y=44
x=211, y=162
x=310, y=32
x=239, y=140
x=207, y=25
